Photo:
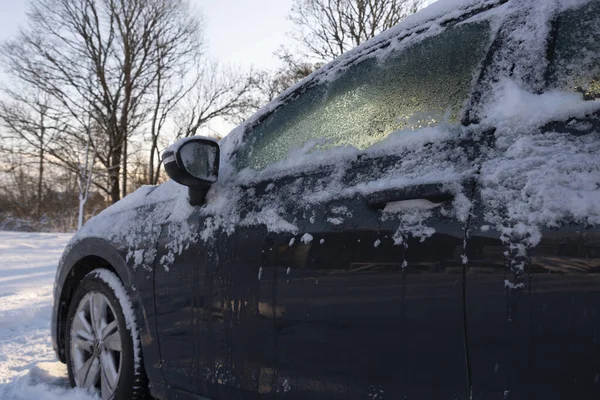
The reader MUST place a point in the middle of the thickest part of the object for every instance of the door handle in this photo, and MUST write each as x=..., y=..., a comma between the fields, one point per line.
x=432, y=192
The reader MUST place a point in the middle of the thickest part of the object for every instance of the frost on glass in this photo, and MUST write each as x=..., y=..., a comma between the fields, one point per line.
x=409, y=88
x=576, y=63
x=199, y=160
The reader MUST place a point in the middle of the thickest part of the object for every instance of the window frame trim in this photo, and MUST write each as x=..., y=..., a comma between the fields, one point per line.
x=336, y=66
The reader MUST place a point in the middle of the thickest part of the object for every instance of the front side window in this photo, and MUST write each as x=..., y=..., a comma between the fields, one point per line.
x=576, y=62
x=411, y=87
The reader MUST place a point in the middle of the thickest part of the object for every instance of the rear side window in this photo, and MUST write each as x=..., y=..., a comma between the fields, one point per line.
x=416, y=86
x=576, y=62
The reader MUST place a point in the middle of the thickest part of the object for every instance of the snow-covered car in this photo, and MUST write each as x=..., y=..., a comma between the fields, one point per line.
x=419, y=219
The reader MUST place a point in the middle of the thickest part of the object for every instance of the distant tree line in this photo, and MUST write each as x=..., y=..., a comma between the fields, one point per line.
x=98, y=88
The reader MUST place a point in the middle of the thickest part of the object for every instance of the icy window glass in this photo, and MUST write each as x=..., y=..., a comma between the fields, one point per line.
x=410, y=88
x=576, y=62
x=199, y=160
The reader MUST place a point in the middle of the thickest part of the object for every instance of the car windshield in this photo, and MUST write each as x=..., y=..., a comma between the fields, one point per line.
x=411, y=87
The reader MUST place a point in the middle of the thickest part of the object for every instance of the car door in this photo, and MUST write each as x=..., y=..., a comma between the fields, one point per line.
x=533, y=285
x=363, y=249
x=364, y=304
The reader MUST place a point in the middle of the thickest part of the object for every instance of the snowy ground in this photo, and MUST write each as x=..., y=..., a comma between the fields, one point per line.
x=29, y=369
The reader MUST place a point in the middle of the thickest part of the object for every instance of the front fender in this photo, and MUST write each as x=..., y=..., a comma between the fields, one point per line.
x=82, y=256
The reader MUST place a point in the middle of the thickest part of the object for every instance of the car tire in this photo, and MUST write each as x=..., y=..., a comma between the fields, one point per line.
x=101, y=339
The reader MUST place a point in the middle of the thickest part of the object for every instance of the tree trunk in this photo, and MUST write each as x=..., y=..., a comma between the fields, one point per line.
x=151, y=162
x=114, y=175
x=154, y=169
x=157, y=170
x=124, y=172
x=40, y=183
x=82, y=201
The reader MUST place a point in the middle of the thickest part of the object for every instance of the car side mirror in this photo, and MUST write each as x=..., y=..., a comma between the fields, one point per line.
x=193, y=162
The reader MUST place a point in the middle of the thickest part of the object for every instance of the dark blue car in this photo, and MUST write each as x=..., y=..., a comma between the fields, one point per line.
x=419, y=219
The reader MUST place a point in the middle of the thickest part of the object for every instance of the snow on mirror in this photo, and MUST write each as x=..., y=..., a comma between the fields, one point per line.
x=199, y=159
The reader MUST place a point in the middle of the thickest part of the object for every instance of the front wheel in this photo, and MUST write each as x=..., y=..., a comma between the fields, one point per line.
x=102, y=343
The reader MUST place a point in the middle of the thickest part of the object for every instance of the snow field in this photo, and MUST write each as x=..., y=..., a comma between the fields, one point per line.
x=29, y=369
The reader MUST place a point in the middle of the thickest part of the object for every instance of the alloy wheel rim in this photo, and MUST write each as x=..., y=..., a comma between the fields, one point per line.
x=96, y=349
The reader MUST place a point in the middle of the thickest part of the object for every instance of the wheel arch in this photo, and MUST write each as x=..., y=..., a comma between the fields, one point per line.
x=80, y=259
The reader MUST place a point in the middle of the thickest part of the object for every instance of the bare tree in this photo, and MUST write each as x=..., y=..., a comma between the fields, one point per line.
x=325, y=29
x=188, y=102
x=220, y=92
x=17, y=192
x=100, y=55
x=329, y=28
x=178, y=51
x=85, y=175
x=36, y=131
x=60, y=204
x=271, y=84
x=167, y=97
x=32, y=125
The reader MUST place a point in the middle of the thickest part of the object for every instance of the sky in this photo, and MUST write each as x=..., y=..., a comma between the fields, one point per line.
x=240, y=32
x=245, y=32
x=12, y=13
